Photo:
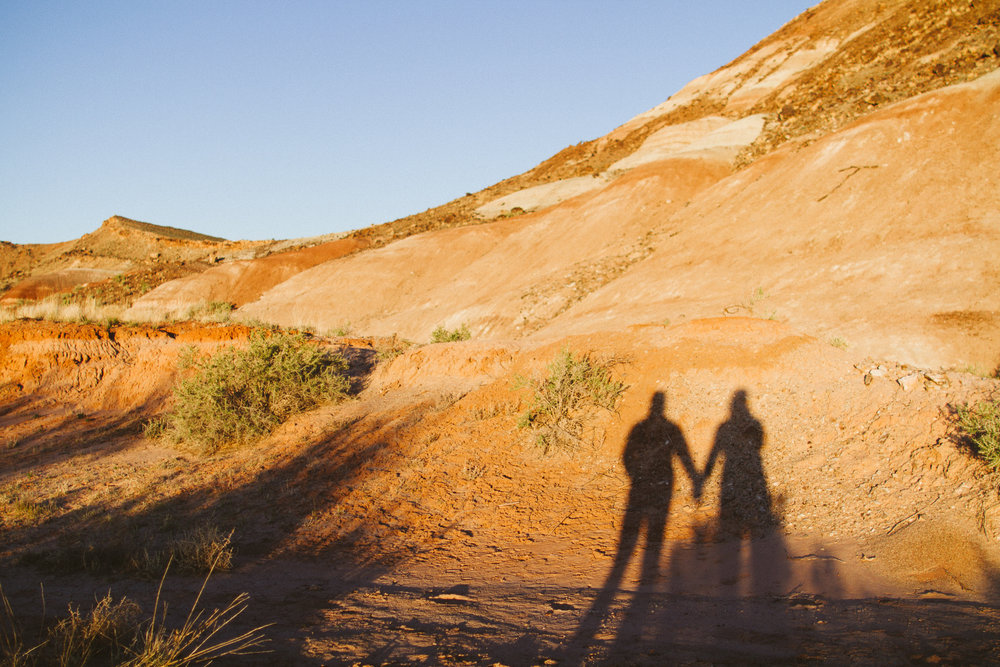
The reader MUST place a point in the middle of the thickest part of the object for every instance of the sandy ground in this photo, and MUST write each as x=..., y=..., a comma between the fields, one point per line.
x=800, y=512
x=463, y=610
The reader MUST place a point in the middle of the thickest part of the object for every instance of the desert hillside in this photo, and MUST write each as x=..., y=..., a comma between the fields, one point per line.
x=691, y=392
x=811, y=180
x=124, y=258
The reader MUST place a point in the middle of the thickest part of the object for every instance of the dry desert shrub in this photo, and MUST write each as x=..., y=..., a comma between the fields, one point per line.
x=559, y=400
x=981, y=425
x=442, y=335
x=239, y=395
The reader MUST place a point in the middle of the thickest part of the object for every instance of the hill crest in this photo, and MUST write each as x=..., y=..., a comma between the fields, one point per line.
x=162, y=231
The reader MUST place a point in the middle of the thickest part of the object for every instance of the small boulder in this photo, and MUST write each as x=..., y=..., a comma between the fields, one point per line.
x=908, y=382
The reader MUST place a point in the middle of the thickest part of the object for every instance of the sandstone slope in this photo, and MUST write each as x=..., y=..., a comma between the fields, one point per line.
x=882, y=234
x=238, y=282
x=832, y=220
x=119, y=246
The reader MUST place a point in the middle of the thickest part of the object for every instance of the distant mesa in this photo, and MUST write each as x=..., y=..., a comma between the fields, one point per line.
x=120, y=245
x=159, y=230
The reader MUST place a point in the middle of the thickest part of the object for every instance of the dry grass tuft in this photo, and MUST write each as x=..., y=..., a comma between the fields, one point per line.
x=197, y=640
x=55, y=308
x=114, y=633
x=210, y=311
x=100, y=633
x=199, y=550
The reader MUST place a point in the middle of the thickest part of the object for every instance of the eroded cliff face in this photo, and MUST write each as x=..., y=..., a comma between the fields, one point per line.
x=72, y=389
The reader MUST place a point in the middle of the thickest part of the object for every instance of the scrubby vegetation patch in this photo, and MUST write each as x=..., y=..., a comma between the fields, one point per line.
x=116, y=632
x=442, y=335
x=559, y=401
x=239, y=395
x=981, y=424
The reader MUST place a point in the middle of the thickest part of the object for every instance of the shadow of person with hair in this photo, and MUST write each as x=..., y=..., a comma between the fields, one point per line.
x=745, y=506
x=648, y=457
x=751, y=550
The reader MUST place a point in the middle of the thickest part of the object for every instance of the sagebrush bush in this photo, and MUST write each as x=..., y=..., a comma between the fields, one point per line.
x=238, y=395
x=572, y=385
x=981, y=423
x=442, y=335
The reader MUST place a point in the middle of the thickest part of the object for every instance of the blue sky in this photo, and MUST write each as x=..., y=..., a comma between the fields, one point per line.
x=255, y=120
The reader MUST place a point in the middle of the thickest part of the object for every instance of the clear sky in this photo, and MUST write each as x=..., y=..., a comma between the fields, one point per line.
x=256, y=120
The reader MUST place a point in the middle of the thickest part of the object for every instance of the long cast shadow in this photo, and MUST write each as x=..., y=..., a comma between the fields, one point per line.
x=100, y=542
x=747, y=521
x=741, y=557
x=648, y=458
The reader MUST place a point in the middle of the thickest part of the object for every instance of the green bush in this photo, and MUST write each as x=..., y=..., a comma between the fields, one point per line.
x=237, y=396
x=573, y=384
x=981, y=423
x=442, y=335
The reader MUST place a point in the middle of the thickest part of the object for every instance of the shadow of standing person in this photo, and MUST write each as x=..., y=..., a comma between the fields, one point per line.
x=648, y=459
x=747, y=516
